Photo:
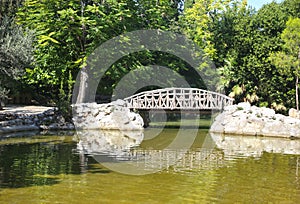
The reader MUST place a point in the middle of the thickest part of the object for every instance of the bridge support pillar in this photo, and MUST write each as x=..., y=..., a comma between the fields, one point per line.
x=146, y=117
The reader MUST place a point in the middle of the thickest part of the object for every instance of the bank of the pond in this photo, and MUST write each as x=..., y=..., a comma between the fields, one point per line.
x=244, y=119
x=28, y=118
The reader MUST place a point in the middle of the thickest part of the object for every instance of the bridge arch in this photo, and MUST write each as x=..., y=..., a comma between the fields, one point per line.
x=178, y=99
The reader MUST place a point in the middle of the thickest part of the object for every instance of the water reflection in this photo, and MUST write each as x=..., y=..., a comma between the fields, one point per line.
x=235, y=146
x=112, y=145
x=46, y=169
x=130, y=152
x=35, y=160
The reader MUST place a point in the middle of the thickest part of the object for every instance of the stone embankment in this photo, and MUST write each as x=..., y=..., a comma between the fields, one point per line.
x=244, y=119
x=108, y=116
x=14, y=119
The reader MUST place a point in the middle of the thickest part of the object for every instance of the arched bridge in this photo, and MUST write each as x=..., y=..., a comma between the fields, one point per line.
x=178, y=99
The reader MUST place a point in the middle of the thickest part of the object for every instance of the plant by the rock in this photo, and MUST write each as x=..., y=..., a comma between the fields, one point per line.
x=16, y=52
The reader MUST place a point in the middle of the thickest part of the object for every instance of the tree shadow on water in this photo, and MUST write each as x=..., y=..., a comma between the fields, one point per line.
x=29, y=182
x=25, y=164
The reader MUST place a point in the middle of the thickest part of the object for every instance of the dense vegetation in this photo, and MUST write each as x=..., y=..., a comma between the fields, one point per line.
x=257, y=53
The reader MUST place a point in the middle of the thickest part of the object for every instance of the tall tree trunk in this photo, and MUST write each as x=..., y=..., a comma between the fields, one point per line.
x=297, y=99
x=297, y=81
x=81, y=98
x=83, y=85
x=1, y=104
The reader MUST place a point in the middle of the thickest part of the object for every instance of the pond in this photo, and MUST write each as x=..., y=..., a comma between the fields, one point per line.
x=121, y=167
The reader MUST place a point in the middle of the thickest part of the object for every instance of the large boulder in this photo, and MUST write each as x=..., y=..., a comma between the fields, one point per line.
x=110, y=116
x=244, y=119
x=294, y=113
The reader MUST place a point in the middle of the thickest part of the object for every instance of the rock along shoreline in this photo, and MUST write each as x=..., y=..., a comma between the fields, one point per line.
x=86, y=116
x=244, y=119
x=30, y=118
x=240, y=119
x=108, y=116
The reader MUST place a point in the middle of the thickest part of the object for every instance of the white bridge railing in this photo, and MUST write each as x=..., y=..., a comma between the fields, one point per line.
x=179, y=99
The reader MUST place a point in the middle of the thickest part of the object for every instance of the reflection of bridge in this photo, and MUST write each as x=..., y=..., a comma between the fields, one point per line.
x=123, y=147
x=178, y=99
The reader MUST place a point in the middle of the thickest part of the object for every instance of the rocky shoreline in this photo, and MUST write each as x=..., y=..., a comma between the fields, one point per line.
x=30, y=118
x=240, y=119
x=86, y=116
x=244, y=119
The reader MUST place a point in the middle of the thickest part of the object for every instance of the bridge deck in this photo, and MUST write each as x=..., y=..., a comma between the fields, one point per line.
x=178, y=99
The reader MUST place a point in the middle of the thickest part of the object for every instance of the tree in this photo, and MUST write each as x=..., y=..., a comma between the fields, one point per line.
x=288, y=60
x=9, y=7
x=16, y=53
x=67, y=32
x=244, y=40
x=143, y=15
x=198, y=19
x=291, y=8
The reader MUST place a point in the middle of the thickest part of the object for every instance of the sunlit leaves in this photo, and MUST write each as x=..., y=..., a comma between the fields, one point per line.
x=291, y=36
x=244, y=40
x=288, y=60
x=44, y=39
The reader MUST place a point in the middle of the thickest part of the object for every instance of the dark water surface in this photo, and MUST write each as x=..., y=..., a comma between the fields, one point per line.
x=217, y=169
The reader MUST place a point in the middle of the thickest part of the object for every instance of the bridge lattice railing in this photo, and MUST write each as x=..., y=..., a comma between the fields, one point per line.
x=179, y=99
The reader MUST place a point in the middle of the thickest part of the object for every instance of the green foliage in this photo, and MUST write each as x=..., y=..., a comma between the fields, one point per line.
x=291, y=38
x=9, y=7
x=15, y=48
x=67, y=32
x=263, y=104
x=288, y=60
x=242, y=42
x=16, y=52
x=198, y=19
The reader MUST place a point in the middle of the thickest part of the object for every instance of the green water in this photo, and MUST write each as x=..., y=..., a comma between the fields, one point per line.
x=57, y=169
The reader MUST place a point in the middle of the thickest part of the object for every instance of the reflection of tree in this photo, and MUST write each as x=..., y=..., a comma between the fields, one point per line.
x=26, y=164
